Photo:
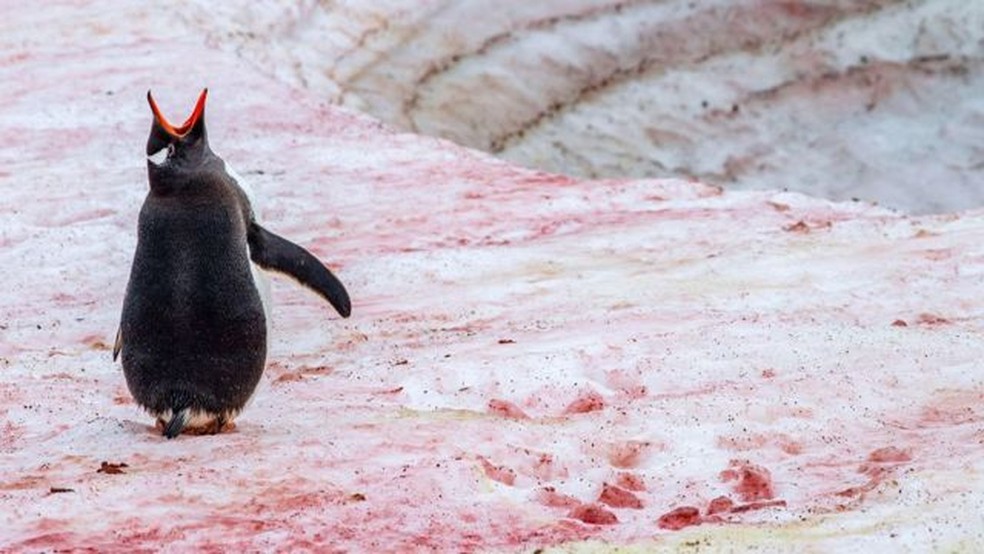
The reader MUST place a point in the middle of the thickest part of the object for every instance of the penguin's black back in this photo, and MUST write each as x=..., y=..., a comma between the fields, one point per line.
x=193, y=327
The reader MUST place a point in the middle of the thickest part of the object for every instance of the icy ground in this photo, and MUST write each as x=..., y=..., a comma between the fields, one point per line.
x=533, y=361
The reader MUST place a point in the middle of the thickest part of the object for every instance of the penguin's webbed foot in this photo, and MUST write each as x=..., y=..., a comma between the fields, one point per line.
x=197, y=426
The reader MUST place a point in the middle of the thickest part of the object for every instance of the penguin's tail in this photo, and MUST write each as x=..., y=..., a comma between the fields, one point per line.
x=174, y=426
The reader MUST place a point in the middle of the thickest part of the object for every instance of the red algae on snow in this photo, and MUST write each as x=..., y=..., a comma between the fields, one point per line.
x=505, y=408
x=678, y=518
x=502, y=474
x=546, y=468
x=531, y=359
x=587, y=402
x=752, y=482
x=880, y=465
x=593, y=514
x=628, y=454
x=761, y=505
x=719, y=505
x=617, y=497
x=890, y=454
x=630, y=481
x=548, y=496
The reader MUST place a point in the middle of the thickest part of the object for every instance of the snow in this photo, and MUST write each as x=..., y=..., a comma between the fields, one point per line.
x=525, y=349
x=746, y=94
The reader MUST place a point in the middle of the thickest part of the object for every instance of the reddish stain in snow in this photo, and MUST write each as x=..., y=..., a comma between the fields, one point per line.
x=25, y=482
x=804, y=227
x=562, y=224
x=758, y=506
x=588, y=402
x=315, y=370
x=938, y=254
x=289, y=378
x=557, y=532
x=805, y=10
x=593, y=514
x=501, y=474
x=122, y=397
x=505, y=408
x=61, y=376
x=11, y=60
x=112, y=468
x=789, y=446
x=548, y=496
x=890, y=454
x=284, y=499
x=630, y=481
x=876, y=469
x=63, y=299
x=798, y=227
x=950, y=412
x=709, y=191
x=684, y=516
x=719, y=505
x=53, y=541
x=855, y=491
x=635, y=392
x=932, y=319
x=95, y=342
x=546, y=469
x=768, y=373
x=754, y=482
x=617, y=497
x=627, y=454
x=899, y=323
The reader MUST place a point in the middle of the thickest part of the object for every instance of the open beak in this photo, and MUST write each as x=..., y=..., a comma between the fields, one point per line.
x=182, y=130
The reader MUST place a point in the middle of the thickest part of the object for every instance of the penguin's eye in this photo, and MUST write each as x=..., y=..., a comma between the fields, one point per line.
x=159, y=157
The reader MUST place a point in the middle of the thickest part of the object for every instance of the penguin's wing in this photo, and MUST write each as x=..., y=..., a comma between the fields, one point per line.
x=275, y=253
x=118, y=345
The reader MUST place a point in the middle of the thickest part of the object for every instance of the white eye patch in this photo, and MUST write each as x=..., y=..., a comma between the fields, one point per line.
x=161, y=156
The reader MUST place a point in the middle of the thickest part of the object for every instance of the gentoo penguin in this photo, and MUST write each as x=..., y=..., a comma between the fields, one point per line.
x=194, y=328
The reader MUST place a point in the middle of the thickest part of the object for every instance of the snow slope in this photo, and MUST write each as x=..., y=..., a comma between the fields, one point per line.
x=746, y=94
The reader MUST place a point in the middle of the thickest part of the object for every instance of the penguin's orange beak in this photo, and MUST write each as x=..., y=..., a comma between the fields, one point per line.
x=178, y=132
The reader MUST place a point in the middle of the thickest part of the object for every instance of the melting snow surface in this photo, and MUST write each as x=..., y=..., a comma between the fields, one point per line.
x=532, y=361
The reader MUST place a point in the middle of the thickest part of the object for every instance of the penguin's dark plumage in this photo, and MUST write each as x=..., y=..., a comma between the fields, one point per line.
x=193, y=334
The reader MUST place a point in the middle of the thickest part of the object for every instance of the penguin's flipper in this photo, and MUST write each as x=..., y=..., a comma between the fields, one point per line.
x=118, y=345
x=275, y=253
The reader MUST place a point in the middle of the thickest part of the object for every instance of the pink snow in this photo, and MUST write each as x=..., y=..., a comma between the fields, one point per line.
x=531, y=361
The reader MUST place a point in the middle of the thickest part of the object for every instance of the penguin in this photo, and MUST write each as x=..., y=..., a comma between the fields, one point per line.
x=193, y=332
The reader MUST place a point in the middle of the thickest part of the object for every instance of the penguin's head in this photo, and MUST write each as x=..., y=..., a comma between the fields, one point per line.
x=176, y=149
